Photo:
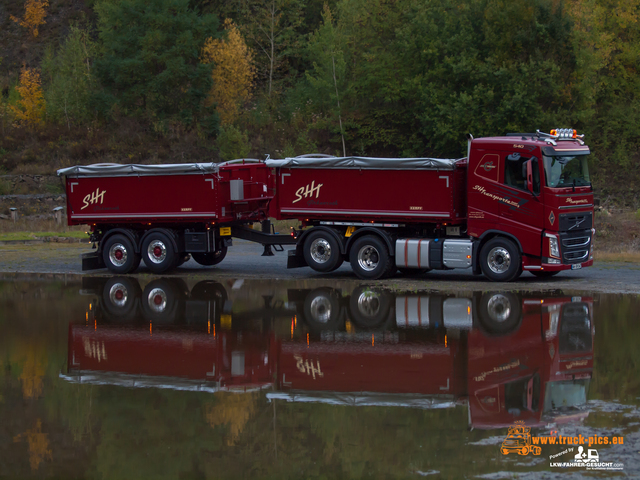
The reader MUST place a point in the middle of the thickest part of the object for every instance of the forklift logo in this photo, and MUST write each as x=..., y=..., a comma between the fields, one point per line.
x=93, y=197
x=519, y=441
x=308, y=191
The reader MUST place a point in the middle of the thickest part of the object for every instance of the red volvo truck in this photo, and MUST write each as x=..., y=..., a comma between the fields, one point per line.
x=518, y=202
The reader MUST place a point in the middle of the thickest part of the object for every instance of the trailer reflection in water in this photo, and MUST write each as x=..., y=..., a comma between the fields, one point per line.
x=506, y=357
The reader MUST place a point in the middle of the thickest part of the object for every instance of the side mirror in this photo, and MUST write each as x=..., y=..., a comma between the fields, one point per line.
x=530, y=177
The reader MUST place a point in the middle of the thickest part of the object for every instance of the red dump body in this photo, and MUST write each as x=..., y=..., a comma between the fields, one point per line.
x=359, y=189
x=181, y=193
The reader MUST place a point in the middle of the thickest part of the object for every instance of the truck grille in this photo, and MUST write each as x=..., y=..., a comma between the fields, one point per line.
x=575, y=257
x=576, y=241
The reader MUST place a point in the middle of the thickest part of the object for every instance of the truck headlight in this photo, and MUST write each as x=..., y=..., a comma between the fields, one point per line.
x=554, y=250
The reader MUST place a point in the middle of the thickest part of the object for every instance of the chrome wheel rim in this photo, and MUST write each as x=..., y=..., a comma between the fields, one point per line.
x=321, y=309
x=320, y=250
x=118, y=254
x=118, y=295
x=157, y=251
x=499, y=260
x=369, y=303
x=368, y=258
x=157, y=300
x=499, y=308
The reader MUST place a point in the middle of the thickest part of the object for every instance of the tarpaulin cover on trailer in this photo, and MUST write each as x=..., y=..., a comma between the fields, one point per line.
x=114, y=169
x=366, y=163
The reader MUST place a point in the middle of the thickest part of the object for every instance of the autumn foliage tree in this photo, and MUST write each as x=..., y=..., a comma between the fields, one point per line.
x=34, y=13
x=30, y=109
x=233, y=73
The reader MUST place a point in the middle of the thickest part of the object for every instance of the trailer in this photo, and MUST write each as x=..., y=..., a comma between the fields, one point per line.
x=162, y=214
x=522, y=202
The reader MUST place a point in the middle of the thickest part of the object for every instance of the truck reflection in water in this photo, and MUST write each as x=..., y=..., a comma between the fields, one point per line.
x=506, y=357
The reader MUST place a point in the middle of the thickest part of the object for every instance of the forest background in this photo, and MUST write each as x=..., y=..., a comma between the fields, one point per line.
x=145, y=81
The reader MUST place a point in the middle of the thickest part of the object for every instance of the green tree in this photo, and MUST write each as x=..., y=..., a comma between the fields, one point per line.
x=69, y=78
x=150, y=59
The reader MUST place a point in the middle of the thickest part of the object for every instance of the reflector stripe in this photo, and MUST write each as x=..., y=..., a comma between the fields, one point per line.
x=406, y=253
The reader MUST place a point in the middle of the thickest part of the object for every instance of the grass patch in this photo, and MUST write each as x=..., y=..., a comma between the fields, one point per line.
x=21, y=236
x=624, y=257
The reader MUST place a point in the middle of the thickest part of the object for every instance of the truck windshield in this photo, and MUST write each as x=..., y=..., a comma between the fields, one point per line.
x=564, y=171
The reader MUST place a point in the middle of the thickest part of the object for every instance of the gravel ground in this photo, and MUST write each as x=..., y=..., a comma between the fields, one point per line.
x=244, y=260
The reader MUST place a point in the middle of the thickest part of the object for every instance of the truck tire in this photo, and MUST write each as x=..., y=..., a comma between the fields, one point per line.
x=158, y=252
x=369, y=307
x=370, y=258
x=210, y=258
x=118, y=254
x=322, y=251
x=499, y=312
x=500, y=260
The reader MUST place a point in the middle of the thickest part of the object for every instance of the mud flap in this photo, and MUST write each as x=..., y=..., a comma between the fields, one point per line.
x=296, y=259
x=92, y=261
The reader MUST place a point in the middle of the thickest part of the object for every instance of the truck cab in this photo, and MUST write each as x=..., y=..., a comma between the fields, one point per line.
x=535, y=190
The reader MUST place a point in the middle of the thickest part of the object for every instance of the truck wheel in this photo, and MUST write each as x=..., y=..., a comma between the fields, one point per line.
x=322, y=252
x=370, y=258
x=322, y=309
x=499, y=312
x=158, y=252
x=369, y=307
x=119, y=299
x=119, y=256
x=210, y=258
x=500, y=260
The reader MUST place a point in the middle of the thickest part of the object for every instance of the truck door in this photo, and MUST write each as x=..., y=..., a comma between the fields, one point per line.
x=521, y=211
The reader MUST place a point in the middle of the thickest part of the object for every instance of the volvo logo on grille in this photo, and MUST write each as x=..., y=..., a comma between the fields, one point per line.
x=577, y=224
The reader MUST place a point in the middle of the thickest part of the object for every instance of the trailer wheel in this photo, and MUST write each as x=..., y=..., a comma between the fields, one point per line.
x=119, y=256
x=322, y=251
x=500, y=260
x=369, y=307
x=210, y=258
x=500, y=312
x=370, y=258
x=158, y=252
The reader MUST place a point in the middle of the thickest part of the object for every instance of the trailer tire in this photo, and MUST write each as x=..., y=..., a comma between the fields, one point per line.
x=322, y=251
x=500, y=260
x=370, y=259
x=210, y=258
x=119, y=255
x=500, y=312
x=158, y=252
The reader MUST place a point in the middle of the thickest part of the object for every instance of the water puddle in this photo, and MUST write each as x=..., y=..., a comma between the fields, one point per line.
x=171, y=378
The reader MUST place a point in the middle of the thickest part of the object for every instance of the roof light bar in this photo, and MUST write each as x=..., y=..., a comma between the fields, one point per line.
x=565, y=134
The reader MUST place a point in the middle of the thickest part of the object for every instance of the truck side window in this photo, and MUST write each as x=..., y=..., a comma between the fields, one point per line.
x=513, y=171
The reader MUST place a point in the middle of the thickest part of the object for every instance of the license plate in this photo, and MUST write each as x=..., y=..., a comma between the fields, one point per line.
x=577, y=266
